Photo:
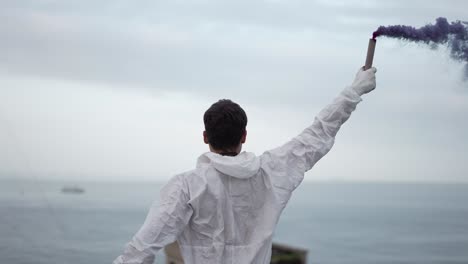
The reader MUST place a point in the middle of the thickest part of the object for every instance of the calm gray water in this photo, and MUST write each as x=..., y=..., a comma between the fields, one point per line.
x=337, y=222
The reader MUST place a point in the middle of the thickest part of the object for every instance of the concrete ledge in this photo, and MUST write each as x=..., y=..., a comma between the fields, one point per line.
x=281, y=254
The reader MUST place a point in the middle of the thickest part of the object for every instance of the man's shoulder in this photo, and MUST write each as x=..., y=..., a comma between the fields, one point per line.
x=195, y=174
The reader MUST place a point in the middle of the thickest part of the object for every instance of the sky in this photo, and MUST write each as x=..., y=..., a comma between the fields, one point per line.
x=116, y=90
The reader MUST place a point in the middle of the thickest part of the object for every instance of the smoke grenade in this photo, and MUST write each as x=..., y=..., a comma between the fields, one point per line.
x=454, y=35
x=370, y=53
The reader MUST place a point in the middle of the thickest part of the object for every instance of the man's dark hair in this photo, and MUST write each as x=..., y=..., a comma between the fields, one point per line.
x=225, y=123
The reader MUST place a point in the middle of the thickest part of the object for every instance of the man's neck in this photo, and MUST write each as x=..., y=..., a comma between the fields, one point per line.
x=227, y=152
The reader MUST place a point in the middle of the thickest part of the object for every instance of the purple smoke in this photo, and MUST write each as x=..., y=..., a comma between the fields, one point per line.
x=454, y=34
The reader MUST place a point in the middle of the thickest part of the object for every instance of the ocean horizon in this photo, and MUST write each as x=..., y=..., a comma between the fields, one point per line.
x=336, y=221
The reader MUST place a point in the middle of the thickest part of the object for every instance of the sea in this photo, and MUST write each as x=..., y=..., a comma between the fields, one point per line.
x=336, y=222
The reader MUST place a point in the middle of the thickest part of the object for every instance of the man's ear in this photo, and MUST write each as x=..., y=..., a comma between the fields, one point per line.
x=205, y=137
x=244, y=137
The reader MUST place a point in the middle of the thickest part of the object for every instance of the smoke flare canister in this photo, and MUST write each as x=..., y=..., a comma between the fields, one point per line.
x=370, y=53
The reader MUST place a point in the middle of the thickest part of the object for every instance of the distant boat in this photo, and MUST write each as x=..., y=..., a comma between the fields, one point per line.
x=72, y=190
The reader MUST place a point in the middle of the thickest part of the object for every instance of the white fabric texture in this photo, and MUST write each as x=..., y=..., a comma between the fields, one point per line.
x=364, y=82
x=226, y=210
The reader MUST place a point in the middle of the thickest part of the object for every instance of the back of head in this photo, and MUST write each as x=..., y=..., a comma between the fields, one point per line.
x=225, y=123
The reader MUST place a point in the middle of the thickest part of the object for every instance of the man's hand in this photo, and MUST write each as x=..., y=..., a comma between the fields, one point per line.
x=364, y=81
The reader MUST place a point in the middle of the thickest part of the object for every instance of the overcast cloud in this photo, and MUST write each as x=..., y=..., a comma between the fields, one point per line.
x=116, y=90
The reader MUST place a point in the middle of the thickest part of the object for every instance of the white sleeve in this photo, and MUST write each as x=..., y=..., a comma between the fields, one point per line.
x=162, y=226
x=286, y=165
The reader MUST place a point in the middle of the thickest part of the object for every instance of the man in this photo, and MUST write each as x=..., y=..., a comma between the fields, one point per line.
x=226, y=210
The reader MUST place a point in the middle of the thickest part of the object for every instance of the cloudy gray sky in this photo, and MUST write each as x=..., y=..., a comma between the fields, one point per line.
x=116, y=90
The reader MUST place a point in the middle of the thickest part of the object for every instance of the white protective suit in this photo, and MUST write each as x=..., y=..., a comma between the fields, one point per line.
x=226, y=210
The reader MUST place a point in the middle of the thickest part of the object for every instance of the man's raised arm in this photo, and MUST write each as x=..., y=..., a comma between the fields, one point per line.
x=288, y=163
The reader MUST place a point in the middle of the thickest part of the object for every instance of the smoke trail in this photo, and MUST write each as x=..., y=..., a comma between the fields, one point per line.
x=454, y=34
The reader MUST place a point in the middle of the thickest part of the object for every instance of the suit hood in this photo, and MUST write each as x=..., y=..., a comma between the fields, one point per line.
x=242, y=166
